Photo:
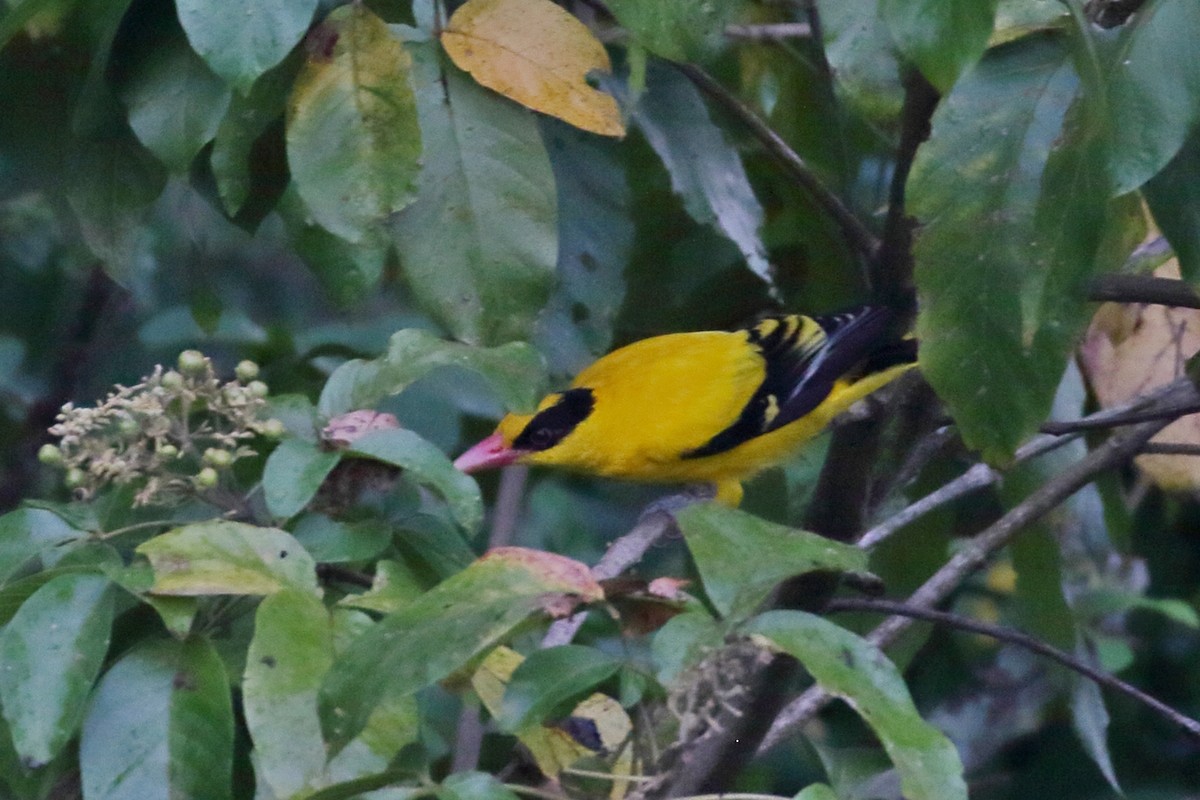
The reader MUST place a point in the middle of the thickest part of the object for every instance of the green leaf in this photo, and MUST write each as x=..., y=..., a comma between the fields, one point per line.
x=1012, y=206
x=1089, y=717
x=706, y=171
x=175, y=103
x=816, y=791
x=353, y=142
x=348, y=270
x=442, y=630
x=547, y=679
x=160, y=726
x=394, y=586
x=331, y=541
x=595, y=229
x=237, y=163
x=222, y=557
x=395, y=723
x=473, y=786
x=742, y=557
x=683, y=642
x=240, y=41
x=677, y=30
x=25, y=533
x=1174, y=198
x=426, y=465
x=293, y=474
x=942, y=37
x=861, y=54
x=51, y=652
x=479, y=246
x=850, y=668
x=514, y=371
x=112, y=186
x=1154, y=94
x=288, y=657
x=17, y=16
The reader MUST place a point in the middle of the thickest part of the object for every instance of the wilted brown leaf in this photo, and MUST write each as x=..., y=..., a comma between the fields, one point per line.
x=537, y=54
x=1130, y=350
x=572, y=576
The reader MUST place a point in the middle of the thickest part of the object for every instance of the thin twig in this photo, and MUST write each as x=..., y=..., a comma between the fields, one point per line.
x=1171, y=449
x=858, y=235
x=1021, y=639
x=1114, y=451
x=1110, y=421
x=622, y=554
x=1144, y=289
x=774, y=32
x=981, y=475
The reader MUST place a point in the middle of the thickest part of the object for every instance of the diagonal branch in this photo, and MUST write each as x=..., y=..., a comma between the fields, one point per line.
x=860, y=237
x=1020, y=639
x=1112, y=452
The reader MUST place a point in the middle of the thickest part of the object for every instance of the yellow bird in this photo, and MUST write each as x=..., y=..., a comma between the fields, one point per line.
x=707, y=407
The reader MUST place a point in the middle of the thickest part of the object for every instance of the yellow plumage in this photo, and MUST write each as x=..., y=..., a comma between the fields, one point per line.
x=708, y=407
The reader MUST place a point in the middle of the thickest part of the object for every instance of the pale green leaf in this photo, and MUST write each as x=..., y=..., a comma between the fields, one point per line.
x=294, y=472
x=848, y=667
x=222, y=557
x=352, y=137
x=240, y=41
x=479, y=246
x=50, y=653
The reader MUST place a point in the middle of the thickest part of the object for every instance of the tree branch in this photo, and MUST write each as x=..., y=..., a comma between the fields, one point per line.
x=861, y=239
x=1114, y=451
x=1144, y=289
x=775, y=32
x=1020, y=639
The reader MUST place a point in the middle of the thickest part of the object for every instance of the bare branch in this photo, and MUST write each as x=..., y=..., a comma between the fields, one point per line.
x=774, y=32
x=1021, y=639
x=1144, y=289
x=1114, y=451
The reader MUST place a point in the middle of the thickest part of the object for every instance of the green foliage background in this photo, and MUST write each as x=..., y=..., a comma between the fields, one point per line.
x=315, y=186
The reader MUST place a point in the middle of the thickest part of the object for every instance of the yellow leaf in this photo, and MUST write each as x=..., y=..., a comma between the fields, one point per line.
x=537, y=54
x=555, y=749
x=1133, y=349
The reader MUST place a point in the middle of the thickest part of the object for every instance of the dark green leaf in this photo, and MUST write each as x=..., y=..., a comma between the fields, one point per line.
x=683, y=641
x=113, y=183
x=352, y=137
x=222, y=557
x=860, y=52
x=394, y=586
x=473, y=786
x=175, y=103
x=515, y=371
x=1013, y=209
x=677, y=30
x=160, y=726
x=426, y=465
x=442, y=630
x=294, y=472
x=25, y=533
x=348, y=270
x=1154, y=94
x=240, y=41
x=17, y=16
x=1174, y=198
x=1090, y=719
x=51, y=652
x=549, y=678
x=331, y=541
x=288, y=657
x=742, y=557
x=706, y=171
x=850, y=668
x=595, y=229
x=942, y=37
x=234, y=162
x=479, y=247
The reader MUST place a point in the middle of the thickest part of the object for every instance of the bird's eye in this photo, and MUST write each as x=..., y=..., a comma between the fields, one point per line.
x=543, y=438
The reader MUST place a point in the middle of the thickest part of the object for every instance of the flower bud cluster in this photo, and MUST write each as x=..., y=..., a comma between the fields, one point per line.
x=173, y=434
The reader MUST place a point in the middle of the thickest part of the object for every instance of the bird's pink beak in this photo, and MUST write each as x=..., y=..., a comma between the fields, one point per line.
x=487, y=454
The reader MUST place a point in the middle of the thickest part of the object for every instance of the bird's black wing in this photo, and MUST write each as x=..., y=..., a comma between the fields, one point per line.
x=805, y=356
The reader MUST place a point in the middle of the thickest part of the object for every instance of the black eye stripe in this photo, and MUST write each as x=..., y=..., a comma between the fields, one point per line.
x=550, y=426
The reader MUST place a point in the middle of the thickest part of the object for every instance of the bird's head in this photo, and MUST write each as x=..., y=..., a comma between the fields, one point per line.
x=531, y=438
